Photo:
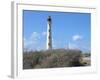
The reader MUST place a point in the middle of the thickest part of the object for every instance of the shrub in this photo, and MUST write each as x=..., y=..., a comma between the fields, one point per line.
x=54, y=58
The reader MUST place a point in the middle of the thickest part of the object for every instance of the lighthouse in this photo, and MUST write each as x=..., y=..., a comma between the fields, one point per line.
x=49, y=33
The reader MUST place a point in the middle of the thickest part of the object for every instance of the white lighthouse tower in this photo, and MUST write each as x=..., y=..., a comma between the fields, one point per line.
x=49, y=33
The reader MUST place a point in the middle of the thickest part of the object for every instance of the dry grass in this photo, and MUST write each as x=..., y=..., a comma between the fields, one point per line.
x=52, y=59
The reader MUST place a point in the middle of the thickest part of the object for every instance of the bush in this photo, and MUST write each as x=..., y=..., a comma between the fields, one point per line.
x=54, y=58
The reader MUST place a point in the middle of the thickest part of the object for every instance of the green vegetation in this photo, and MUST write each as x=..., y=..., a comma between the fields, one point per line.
x=52, y=58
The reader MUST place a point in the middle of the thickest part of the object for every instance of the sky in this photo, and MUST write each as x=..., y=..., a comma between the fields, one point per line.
x=69, y=30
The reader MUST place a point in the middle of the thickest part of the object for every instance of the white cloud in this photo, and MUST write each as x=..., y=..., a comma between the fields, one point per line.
x=77, y=37
x=33, y=42
x=44, y=33
x=34, y=36
x=72, y=46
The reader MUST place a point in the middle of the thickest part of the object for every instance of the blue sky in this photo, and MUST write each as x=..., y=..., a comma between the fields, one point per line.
x=69, y=30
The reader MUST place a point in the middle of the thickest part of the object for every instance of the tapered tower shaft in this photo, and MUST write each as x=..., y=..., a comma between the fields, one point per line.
x=49, y=33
